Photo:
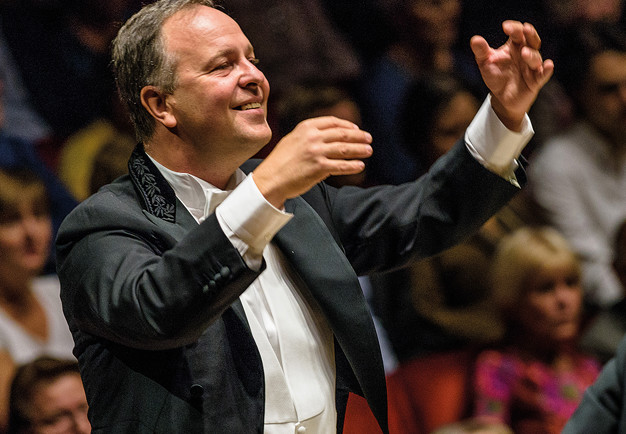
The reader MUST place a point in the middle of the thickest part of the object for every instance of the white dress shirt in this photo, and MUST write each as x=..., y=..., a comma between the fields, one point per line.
x=295, y=342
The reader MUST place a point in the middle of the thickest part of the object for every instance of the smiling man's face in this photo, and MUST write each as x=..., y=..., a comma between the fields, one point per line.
x=220, y=99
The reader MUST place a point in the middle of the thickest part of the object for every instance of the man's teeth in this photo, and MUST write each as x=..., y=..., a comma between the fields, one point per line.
x=252, y=105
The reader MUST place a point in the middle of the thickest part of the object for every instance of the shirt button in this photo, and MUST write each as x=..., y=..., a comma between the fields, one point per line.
x=301, y=429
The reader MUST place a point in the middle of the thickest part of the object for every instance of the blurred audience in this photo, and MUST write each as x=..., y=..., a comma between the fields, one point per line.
x=31, y=318
x=71, y=39
x=21, y=118
x=18, y=152
x=606, y=330
x=436, y=111
x=97, y=154
x=47, y=396
x=579, y=177
x=423, y=44
x=535, y=379
x=296, y=42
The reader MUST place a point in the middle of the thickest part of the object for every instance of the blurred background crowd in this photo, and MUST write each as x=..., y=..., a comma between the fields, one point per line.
x=503, y=332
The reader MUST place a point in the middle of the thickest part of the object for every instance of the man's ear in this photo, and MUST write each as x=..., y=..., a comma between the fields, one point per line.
x=154, y=100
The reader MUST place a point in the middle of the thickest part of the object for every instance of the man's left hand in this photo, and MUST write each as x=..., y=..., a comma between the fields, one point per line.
x=514, y=72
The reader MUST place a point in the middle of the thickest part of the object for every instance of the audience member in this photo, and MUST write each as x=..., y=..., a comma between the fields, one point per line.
x=536, y=378
x=426, y=33
x=574, y=12
x=579, y=177
x=436, y=110
x=31, y=317
x=554, y=106
x=71, y=40
x=21, y=118
x=17, y=152
x=608, y=327
x=296, y=41
x=47, y=396
x=97, y=154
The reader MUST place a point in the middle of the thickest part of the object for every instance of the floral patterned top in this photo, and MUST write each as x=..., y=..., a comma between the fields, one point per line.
x=529, y=395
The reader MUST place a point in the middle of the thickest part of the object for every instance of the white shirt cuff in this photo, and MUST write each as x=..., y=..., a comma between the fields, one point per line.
x=494, y=145
x=249, y=221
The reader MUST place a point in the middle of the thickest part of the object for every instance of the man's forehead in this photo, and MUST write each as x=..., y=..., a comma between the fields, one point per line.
x=199, y=21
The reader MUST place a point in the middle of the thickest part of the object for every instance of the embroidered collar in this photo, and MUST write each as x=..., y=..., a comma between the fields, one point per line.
x=158, y=196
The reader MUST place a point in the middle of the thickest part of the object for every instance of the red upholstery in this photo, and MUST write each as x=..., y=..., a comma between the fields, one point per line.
x=424, y=394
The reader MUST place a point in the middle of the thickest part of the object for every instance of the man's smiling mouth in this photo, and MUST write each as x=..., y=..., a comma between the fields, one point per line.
x=249, y=106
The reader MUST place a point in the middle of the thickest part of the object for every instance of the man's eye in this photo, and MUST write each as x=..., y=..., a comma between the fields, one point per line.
x=254, y=61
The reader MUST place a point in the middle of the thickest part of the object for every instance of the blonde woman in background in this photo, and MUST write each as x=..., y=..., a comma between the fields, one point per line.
x=31, y=317
x=536, y=378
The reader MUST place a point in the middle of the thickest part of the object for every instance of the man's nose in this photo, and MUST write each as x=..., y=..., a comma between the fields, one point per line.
x=252, y=76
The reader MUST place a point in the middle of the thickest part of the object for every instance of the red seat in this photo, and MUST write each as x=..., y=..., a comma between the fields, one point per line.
x=424, y=394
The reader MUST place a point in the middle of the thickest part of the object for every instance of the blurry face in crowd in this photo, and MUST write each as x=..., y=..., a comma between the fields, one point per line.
x=604, y=95
x=60, y=407
x=599, y=10
x=25, y=236
x=552, y=307
x=452, y=121
x=437, y=20
x=221, y=97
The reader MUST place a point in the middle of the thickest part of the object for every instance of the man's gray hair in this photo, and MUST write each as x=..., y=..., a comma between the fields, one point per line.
x=139, y=59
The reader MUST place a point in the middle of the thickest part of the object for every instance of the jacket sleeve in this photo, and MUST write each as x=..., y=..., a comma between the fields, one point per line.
x=130, y=281
x=385, y=226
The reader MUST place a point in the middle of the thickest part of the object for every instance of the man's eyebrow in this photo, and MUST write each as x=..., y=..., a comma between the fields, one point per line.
x=226, y=52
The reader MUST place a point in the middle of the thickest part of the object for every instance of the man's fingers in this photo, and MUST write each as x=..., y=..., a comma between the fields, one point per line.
x=532, y=58
x=347, y=151
x=532, y=37
x=515, y=31
x=546, y=73
x=347, y=167
x=325, y=122
x=480, y=48
x=347, y=135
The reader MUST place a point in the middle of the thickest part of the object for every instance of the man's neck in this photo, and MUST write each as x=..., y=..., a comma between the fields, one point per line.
x=210, y=167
